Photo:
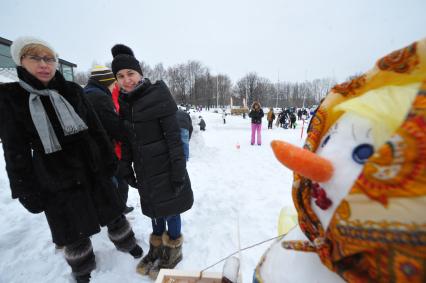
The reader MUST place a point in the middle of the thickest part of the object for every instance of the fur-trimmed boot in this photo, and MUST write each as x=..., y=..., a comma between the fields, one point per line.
x=153, y=257
x=172, y=255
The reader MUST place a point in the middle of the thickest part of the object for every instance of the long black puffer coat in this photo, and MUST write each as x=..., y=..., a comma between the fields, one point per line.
x=72, y=186
x=156, y=150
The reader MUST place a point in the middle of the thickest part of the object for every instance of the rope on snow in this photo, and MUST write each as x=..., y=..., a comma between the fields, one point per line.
x=243, y=249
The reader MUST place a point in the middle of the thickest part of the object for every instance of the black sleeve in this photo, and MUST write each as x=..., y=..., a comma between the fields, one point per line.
x=17, y=155
x=109, y=118
x=171, y=133
x=107, y=156
x=190, y=127
x=124, y=116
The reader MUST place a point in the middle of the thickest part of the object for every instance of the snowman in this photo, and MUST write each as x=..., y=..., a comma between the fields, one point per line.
x=360, y=182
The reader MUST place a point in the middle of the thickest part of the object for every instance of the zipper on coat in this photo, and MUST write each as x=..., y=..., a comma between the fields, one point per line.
x=132, y=121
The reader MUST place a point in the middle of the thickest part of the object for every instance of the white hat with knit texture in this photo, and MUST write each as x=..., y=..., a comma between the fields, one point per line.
x=21, y=42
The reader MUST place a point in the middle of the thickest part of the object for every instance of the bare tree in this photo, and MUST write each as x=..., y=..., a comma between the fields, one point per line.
x=193, y=83
x=81, y=78
x=253, y=88
x=146, y=69
x=178, y=82
x=194, y=70
x=224, y=85
x=158, y=73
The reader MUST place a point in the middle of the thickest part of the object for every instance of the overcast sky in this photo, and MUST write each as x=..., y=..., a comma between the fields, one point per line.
x=295, y=40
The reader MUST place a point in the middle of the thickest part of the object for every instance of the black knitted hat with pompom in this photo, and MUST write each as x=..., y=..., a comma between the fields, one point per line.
x=124, y=59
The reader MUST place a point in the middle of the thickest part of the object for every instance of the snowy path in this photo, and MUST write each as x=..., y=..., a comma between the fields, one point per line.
x=228, y=183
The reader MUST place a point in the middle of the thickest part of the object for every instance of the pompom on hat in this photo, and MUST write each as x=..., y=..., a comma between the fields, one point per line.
x=124, y=58
x=21, y=42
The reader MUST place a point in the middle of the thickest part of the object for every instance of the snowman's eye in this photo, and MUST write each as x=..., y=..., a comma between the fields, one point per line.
x=327, y=138
x=362, y=152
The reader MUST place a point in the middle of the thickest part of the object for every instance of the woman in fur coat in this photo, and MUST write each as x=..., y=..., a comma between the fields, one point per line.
x=58, y=157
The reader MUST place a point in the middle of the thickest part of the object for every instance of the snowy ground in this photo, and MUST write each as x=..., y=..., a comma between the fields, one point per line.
x=248, y=184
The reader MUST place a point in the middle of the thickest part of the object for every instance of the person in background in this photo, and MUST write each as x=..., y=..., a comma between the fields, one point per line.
x=99, y=93
x=299, y=114
x=292, y=120
x=278, y=122
x=185, y=125
x=256, y=114
x=270, y=117
x=202, y=124
x=305, y=114
x=58, y=157
x=224, y=116
x=122, y=185
x=156, y=153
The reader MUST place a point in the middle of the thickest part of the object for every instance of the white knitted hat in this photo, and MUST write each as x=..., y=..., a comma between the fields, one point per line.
x=21, y=42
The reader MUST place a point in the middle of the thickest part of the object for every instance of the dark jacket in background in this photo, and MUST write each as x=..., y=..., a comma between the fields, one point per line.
x=156, y=150
x=72, y=186
x=101, y=99
x=184, y=121
x=256, y=116
x=202, y=124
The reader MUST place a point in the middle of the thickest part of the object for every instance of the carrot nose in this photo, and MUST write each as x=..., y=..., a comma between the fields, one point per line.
x=302, y=161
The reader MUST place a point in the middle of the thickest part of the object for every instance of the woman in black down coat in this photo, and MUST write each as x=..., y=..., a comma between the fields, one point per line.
x=58, y=158
x=156, y=151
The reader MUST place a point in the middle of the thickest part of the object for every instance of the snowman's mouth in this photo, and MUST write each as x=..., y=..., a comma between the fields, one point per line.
x=320, y=196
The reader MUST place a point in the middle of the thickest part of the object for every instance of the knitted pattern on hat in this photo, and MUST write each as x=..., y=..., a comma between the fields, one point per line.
x=21, y=42
x=103, y=75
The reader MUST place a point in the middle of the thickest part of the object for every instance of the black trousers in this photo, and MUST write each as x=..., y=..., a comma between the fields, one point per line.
x=123, y=188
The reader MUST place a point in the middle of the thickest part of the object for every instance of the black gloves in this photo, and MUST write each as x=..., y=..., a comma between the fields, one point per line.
x=131, y=181
x=34, y=203
x=178, y=186
x=178, y=170
x=125, y=172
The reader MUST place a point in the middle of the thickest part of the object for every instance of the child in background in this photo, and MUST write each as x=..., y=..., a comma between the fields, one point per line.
x=202, y=124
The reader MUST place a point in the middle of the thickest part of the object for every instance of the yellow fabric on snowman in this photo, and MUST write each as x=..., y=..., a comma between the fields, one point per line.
x=287, y=220
x=378, y=232
x=386, y=109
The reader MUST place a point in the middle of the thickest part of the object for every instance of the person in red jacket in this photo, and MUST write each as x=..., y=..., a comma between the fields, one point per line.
x=99, y=93
x=123, y=187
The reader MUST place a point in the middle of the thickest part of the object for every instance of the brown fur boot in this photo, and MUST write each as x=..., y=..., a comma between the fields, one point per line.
x=172, y=255
x=154, y=254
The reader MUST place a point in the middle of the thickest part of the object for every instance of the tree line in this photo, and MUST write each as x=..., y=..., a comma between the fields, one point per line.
x=193, y=83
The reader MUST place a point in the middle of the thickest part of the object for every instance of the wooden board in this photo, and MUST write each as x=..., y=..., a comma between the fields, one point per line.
x=181, y=276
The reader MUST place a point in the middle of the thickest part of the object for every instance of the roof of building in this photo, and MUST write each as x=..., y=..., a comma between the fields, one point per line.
x=7, y=42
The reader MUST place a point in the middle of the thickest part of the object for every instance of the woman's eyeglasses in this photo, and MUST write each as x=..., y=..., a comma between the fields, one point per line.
x=38, y=59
